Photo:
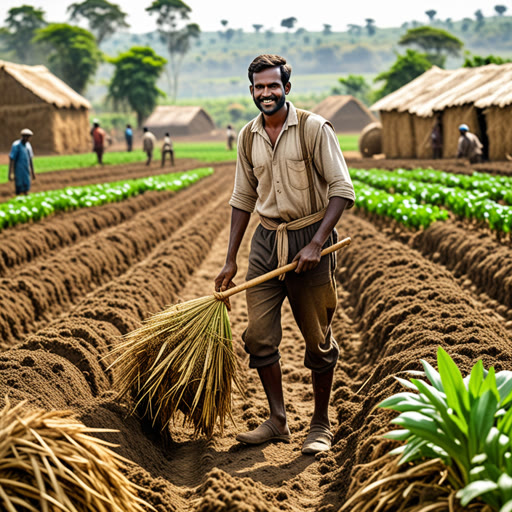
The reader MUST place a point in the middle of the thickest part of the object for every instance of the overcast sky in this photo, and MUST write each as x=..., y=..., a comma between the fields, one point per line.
x=269, y=13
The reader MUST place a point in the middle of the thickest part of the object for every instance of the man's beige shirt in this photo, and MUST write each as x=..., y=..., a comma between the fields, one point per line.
x=277, y=187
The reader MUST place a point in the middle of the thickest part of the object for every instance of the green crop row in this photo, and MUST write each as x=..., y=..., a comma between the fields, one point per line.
x=467, y=422
x=498, y=187
x=36, y=206
x=475, y=204
x=404, y=209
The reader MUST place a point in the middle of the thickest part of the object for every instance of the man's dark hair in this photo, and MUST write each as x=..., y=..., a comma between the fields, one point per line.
x=167, y=134
x=145, y=129
x=267, y=61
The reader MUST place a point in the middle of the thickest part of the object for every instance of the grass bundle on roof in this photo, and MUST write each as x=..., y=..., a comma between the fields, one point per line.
x=50, y=462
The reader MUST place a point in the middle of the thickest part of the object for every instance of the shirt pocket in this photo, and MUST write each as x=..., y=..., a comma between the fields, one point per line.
x=297, y=174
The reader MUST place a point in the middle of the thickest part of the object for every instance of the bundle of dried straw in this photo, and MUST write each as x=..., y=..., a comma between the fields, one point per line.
x=182, y=359
x=50, y=462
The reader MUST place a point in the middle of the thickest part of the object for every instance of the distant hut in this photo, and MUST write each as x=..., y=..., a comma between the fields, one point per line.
x=179, y=120
x=32, y=97
x=346, y=113
x=479, y=97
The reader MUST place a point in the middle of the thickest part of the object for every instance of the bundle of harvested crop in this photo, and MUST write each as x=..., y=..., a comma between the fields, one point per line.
x=49, y=461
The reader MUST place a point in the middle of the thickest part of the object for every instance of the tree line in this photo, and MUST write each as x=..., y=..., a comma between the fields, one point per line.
x=73, y=53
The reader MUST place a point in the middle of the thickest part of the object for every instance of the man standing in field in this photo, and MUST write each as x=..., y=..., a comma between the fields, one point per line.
x=21, y=165
x=98, y=139
x=469, y=145
x=290, y=170
x=128, y=136
x=148, y=144
x=168, y=148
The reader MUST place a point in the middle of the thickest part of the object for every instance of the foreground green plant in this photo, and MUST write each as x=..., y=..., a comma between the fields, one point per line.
x=466, y=422
x=34, y=207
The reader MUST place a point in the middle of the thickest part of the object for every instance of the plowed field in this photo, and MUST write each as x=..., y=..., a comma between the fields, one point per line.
x=72, y=284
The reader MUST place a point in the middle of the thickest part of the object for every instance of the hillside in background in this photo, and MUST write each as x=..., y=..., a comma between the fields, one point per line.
x=216, y=66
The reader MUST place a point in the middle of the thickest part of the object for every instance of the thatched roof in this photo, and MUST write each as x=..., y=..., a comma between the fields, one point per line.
x=437, y=89
x=45, y=85
x=345, y=112
x=173, y=115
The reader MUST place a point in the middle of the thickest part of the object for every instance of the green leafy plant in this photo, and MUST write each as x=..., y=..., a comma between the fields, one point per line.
x=466, y=422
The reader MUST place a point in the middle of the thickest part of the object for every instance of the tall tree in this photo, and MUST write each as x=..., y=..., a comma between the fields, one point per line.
x=431, y=14
x=21, y=25
x=134, y=80
x=437, y=43
x=480, y=19
x=370, y=26
x=103, y=17
x=327, y=29
x=224, y=23
x=355, y=85
x=257, y=27
x=171, y=17
x=406, y=68
x=500, y=9
x=73, y=54
x=288, y=23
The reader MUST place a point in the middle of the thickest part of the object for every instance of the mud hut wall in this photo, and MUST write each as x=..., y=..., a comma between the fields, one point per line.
x=13, y=93
x=453, y=117
x=350, y=119
x=499, y=132
x=39, y=118
x=398, y=140
x=71, y=130
x=422, y=131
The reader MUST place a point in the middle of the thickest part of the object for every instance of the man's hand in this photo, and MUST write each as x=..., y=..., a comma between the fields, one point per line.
x=11, y=176
x=224, y=280
x=308, y=257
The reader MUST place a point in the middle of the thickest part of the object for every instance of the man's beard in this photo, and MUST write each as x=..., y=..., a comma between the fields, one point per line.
x=278, y=105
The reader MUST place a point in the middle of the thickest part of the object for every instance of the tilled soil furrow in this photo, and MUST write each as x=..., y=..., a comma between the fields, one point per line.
x=43, y=290
x=405, y=307
x=486, y=262
x=27, y=242
x=75, y=350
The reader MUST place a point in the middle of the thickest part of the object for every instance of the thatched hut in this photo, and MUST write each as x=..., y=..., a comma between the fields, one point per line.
x=179, y=120
x=34, y=98
x=479, y=97
x=346, y=113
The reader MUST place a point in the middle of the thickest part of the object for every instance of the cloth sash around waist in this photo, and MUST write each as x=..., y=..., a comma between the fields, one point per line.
x=282, y=228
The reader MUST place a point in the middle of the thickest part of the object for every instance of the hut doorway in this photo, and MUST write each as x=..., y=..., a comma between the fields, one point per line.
x=482, y=127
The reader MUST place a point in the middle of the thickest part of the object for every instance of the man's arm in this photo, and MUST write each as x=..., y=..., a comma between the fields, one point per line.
x=33, y=174
x=309, y=257
x=239, y=223
x=11, y=169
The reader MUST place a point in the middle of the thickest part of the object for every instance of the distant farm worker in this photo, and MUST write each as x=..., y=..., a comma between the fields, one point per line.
x=436, y=139
x=291, y=171
x=148, y=144
x=168, y=148
x=128, y=136
x=469, y=145
x=21, y=165
x=98, y=139
x=230, y=136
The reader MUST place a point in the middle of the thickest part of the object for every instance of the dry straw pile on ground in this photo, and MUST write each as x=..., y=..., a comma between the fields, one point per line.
x=50, y=462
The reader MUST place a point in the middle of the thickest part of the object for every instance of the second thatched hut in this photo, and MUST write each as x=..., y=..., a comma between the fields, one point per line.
x=479, y=97
x=179, y=120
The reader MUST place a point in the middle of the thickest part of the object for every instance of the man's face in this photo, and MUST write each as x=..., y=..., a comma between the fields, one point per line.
x=268, y=92
x=25, y=139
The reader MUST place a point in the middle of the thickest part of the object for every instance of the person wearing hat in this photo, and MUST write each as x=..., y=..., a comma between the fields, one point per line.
x=21, y=166
x=469, y=145
x=98, y=138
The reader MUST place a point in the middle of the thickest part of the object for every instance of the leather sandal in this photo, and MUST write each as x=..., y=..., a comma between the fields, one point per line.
x=267, y=431
x=319, y=440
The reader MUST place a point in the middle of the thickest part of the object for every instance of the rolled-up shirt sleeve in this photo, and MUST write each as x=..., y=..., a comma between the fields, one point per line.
x=245, y=194
x=331, y=165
